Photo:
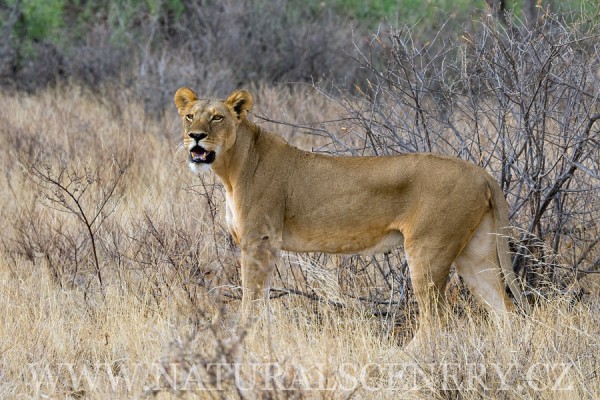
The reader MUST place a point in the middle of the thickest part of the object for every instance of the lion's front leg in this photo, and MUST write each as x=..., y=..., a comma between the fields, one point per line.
x=258, y=262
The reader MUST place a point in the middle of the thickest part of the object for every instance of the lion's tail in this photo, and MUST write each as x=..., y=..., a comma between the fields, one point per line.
x=500, y=210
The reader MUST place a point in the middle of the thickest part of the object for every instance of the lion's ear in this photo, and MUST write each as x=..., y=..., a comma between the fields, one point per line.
x=183, y=97
x=240, y=102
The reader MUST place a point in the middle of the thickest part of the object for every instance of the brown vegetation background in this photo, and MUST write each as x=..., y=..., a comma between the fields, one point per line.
x=119, y=279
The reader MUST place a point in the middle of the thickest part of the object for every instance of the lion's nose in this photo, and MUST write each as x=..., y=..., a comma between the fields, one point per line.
x=197, y=136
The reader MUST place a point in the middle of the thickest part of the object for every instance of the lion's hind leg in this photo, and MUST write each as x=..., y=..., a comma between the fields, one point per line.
x=429, y=268
x=479, y=267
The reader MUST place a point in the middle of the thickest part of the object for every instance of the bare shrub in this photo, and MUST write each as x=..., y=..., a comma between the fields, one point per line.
x=66, y=182
x=219, y=46
x=154, y=48
x=89, y=194
x=195, y=255
x=522, y=102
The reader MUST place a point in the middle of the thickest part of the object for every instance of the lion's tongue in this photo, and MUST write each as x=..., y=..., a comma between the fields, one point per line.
x=199, y=155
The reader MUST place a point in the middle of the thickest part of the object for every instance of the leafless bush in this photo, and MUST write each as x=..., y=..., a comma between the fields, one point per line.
x=213, y=45
x=44, y=230
x=522, y=102
x=168, y=254
x=219, y=46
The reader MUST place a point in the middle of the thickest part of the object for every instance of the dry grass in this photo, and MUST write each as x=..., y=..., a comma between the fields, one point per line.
x=163, y=321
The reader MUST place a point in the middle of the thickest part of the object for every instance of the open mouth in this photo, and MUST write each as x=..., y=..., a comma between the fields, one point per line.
x=200, y=155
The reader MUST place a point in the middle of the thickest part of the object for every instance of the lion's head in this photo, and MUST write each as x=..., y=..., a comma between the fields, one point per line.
x=209, y=126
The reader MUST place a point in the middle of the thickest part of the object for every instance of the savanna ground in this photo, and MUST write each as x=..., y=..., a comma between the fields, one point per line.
x=153, y=327
x=118, y=278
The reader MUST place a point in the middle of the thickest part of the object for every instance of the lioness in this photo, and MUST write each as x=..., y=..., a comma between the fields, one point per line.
x=443, y=209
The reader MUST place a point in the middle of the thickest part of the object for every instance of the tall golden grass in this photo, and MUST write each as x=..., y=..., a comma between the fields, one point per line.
x=155, y=313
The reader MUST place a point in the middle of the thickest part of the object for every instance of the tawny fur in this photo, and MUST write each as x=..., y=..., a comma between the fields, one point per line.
x=442, y=209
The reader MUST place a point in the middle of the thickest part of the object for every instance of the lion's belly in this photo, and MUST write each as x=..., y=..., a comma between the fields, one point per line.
x=347, y=243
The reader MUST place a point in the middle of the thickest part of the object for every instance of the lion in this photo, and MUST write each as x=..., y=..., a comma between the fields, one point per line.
x=443, y=210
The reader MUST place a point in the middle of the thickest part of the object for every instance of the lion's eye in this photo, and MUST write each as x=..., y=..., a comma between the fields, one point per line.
x=190, y=117
x=217, y=118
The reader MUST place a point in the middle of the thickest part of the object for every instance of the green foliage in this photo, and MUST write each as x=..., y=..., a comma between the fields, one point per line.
x=368, y=10
x=407, y=11
x=433, y=12
x=41, y=19
x=585, y=7
x=44, y=40
x=56, y=20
